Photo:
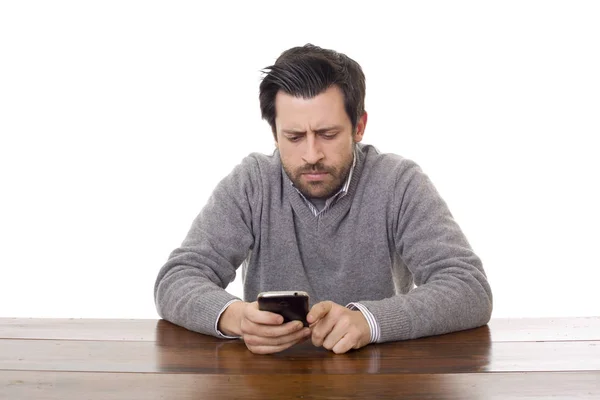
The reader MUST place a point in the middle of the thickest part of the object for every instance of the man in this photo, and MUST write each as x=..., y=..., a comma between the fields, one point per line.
x=327, y=215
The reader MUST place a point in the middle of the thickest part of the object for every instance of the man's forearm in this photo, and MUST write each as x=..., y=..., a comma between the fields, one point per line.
x=436, y=308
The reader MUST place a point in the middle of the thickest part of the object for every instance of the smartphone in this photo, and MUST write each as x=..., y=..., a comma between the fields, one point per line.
x=291, y=305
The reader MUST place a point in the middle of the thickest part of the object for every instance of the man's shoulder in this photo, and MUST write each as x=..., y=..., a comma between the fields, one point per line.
x=260, y=163
x=263, y=158
x=391, y=173
x=386, y=164
x=257, y=169
x=252, y=174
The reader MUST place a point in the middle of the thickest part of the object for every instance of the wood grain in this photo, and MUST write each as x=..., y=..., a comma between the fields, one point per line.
x=498, y=330
x=154, y=359
x=233, y=357
x=111, y=386
x=145, y=330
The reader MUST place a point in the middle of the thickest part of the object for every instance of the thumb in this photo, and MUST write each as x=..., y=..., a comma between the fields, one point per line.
x=319, y=311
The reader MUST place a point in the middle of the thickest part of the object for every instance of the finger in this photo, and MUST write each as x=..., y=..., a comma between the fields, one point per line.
x=272, y=331
x=255, y=340
x=270, y=349
x=318, y=311
x=252, y=313
x=262, y=345
x=345, y=344
x=321, y=330
x=339, y=330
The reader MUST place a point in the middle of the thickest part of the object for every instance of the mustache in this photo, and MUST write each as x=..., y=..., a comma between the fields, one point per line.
x=315, y=168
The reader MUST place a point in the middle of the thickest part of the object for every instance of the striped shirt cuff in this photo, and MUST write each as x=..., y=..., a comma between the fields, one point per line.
x=373, y=325
x=219, y=333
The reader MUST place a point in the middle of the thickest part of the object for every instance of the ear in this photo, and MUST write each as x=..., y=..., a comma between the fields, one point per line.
x=360, y=128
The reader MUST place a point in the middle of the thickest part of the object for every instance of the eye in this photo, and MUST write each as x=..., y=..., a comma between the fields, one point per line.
x=329, y=135
x=293, y=139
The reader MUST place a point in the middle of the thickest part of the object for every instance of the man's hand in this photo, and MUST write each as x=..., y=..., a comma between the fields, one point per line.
x=338, y=328
x=263, y=332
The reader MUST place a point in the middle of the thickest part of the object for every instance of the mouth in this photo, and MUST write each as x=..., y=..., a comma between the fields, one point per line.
x=314, y=175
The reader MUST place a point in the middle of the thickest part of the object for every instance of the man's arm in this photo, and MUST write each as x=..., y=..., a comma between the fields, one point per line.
x=189, y=290
x=452, y=290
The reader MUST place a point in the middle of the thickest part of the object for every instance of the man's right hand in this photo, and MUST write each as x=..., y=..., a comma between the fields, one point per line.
x=263, y=332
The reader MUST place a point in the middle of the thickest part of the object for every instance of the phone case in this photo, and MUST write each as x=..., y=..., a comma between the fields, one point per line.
x=290, y=307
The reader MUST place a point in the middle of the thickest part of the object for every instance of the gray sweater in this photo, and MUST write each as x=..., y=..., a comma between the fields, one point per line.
x=391, y=244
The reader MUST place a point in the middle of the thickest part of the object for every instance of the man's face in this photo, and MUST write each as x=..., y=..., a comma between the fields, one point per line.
x=315, y=141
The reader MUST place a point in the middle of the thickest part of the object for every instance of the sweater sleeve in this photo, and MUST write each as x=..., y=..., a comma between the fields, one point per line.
x=452, y=290
x=190, y=288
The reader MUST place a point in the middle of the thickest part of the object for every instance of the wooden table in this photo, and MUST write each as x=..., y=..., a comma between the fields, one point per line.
x=150, y=359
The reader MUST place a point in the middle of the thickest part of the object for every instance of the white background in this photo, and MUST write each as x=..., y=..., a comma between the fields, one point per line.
x=117, y=119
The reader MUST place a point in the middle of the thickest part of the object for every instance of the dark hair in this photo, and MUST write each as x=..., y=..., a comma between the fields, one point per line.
x=308, y=71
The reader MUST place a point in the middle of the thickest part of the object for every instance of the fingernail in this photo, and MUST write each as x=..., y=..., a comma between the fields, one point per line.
x=299, y=325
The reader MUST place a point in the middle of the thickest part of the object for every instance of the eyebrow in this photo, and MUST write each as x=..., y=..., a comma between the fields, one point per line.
x=317, y=131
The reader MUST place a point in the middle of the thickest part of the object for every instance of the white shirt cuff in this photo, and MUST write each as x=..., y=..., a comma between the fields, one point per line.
x=373, y=325
x=219, y=333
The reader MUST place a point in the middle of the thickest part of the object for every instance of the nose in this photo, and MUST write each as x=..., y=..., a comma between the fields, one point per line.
x=312, y=152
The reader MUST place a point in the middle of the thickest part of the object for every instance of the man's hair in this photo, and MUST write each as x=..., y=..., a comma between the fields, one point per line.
x=308, y=71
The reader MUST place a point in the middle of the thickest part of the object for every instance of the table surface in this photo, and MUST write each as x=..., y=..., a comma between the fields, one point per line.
x=154, y=359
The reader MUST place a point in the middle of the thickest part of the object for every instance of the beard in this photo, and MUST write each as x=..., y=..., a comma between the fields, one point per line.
x=321, y=189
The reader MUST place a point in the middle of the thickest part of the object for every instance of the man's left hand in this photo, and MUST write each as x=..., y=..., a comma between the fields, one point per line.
x=338, y=328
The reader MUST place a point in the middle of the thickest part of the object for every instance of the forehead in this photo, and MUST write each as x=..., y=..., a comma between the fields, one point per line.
x=324, y=109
